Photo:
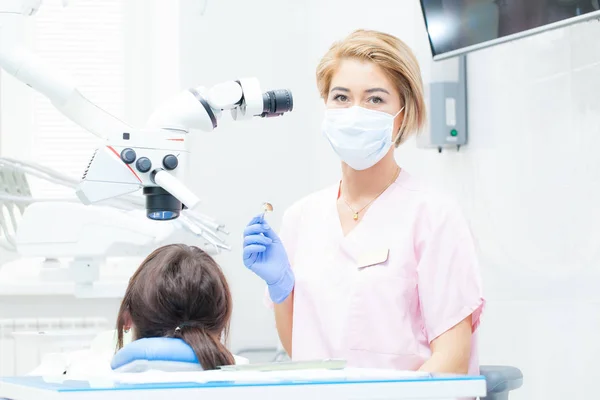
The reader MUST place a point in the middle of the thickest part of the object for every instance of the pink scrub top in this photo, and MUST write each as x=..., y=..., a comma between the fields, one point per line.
x=377, y=297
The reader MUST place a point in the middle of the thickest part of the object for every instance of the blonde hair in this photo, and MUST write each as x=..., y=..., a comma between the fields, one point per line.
x=396, y=60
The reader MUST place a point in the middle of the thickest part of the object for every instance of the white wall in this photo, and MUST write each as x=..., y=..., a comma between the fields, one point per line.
x=528, y=180
x=529, y=185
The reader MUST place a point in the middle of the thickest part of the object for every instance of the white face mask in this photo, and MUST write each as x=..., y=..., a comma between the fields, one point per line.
x=359, y=136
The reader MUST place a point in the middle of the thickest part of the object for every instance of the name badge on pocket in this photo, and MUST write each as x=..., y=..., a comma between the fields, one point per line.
x=372, y=257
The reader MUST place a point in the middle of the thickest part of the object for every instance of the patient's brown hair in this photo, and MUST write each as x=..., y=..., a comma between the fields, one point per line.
x=180, y=291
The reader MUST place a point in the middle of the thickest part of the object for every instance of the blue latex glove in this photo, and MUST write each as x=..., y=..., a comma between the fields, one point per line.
x=265, y=255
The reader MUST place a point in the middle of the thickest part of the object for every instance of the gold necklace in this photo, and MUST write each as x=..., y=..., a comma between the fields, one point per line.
x=355, y=213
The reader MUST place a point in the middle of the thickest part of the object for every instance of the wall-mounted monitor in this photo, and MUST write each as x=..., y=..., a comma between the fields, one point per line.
x=460, y=26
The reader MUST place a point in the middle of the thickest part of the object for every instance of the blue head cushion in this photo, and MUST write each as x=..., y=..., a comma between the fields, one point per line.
x=154, y=349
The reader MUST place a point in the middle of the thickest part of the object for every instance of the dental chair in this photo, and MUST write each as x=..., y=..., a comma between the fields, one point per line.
x=501, y=380
x=164, y=354
x=172, y=354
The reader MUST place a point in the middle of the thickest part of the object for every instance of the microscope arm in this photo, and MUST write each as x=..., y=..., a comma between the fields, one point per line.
x=57, y=87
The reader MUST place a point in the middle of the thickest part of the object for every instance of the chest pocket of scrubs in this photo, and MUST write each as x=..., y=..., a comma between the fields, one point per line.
x=383, y=308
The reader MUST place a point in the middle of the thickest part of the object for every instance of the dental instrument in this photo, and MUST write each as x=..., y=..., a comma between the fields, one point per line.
x=266, y=208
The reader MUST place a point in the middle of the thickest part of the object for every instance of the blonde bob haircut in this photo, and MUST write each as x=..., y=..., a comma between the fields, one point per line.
x=396, y=60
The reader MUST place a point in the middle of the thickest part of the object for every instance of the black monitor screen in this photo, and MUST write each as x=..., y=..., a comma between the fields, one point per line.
x=457, y=24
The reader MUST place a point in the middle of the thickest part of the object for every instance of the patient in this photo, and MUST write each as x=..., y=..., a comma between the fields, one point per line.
x=179, y=291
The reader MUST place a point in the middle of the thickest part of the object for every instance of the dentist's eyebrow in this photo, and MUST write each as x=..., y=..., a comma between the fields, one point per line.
x=341, y=89
x=374, y=90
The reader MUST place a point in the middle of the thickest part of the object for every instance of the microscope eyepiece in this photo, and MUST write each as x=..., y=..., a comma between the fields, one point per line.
x=277, y=102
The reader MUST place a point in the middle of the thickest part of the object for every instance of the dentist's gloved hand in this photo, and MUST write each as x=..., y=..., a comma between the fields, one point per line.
x=265, y=255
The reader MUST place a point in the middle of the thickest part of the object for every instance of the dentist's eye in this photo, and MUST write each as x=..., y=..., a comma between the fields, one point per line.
x=340, y=97
x=376, y=100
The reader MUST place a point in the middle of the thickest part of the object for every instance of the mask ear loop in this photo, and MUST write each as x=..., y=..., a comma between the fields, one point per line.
x=400, y=131
x=398, y=113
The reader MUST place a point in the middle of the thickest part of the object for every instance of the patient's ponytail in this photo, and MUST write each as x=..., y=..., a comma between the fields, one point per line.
x=209, y=349
x=180, y=291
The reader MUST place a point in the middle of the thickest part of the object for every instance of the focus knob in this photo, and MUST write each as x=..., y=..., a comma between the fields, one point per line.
x=143, y=164
x=170, y=162
x=128, y=156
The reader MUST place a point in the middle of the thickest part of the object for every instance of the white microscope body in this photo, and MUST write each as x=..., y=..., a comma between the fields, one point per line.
x=153, y=159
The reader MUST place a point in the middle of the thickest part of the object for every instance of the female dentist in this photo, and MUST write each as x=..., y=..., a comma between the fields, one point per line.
x=377, y=269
